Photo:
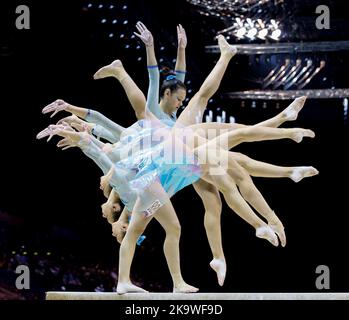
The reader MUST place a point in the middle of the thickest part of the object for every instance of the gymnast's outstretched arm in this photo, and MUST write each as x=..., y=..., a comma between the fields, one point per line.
x=181, y=68
x=99, y=124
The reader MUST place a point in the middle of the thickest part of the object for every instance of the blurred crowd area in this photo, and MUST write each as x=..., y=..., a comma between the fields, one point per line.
x=49, y=272
x=52, y=273
x=56, y=270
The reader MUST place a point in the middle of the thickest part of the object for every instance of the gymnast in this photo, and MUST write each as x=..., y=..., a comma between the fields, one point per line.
x=302, y=171
x=217, y=180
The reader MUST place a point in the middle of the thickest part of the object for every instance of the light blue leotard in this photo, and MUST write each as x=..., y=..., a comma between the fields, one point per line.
x=136, y=171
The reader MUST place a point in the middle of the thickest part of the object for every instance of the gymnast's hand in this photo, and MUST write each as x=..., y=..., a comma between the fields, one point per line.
x=77, y=123
x=182, y=37
x=55, y=107
x=105, y=186
x=144, y=34
x=119, y=229
x=52, y=130
x=66, y=143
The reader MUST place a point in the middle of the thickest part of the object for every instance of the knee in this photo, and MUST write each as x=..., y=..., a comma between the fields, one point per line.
x=212, y=217
x=240, y=158
x=244, y=132
x=213, y=209
x=134, y=232
x=202, y=96
x=140, y=115
x=177, y=229
x=246, y=186
x=174, y=230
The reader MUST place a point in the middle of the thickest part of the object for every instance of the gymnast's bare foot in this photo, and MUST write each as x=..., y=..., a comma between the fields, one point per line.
x=291, y=112
x=265, y=232
x=115, y=69
x=184, y=288
x=220, y=267
x=299, y=173
x=226, y=49
x=298, y=134
x=128, y=287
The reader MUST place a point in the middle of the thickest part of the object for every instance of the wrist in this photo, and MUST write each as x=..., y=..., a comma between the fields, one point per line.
x=69, y=108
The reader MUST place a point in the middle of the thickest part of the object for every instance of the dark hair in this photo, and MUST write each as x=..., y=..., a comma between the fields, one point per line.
x=173, y=85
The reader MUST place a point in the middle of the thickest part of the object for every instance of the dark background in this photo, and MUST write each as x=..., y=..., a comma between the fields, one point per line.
x=50, y=201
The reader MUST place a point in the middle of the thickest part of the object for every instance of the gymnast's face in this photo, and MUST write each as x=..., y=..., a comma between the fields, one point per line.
x=175, y=99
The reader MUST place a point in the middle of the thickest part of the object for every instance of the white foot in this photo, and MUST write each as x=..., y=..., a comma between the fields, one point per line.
x=225, y=48
x=303, y=172
x=299, y=134
x=127, y=287
x=220, y=267
x=111, y=70
x=267, y=233
x=291, y=112
x=278, y=228
x=184, y=288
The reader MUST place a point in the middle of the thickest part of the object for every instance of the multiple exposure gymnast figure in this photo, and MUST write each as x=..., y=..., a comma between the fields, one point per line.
x=233, y=137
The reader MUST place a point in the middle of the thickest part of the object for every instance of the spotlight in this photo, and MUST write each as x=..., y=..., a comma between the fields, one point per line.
x=239, y=22
x=103, y=20
x=240, y=33
x=274, y=24
x=100, y=6
x=262, y=34
x=250, y=22
x=251, y=33
x=276, y=34
x=111, y=35
x=125, y=22
x=114, y=21
x=111, y=7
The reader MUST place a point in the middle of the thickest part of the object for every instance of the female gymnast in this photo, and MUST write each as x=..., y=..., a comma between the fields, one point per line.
x=218, y=180
x=301, y=172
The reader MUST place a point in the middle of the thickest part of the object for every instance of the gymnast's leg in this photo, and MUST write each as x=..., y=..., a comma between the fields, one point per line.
x=199, y=102
x=134, y=94
x=213, y=208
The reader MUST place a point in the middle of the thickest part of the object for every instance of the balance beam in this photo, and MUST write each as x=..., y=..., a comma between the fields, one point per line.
x=55, y=295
